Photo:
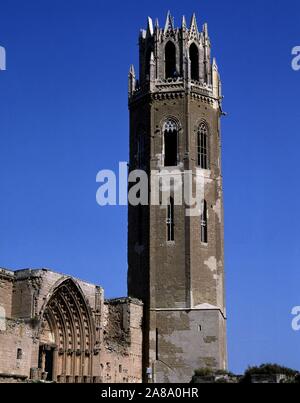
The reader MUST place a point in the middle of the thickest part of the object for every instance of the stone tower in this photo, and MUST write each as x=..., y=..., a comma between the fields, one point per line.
x=176, y=259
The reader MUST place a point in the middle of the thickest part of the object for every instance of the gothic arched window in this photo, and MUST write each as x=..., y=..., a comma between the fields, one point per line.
x=202, y=147
x=204, y=222
x=170, y=131
x=194, y=58
x=170, y=221
x=170, y=60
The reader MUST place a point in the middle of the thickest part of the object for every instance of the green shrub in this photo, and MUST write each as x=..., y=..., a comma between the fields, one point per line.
x=268, y=369
x=204, y=372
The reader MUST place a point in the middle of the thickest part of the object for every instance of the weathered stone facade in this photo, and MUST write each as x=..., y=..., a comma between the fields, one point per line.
x=57, y=328
x=176, y=261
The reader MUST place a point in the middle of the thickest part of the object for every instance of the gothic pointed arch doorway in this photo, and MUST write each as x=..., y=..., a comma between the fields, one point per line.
x=67, y=336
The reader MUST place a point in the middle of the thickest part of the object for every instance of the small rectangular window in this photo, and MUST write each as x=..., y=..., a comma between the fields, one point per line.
x=19, y=354
x=204, y=223
x=170, y=221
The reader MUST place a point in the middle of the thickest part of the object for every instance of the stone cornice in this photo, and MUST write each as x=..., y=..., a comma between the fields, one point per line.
x=173, y=89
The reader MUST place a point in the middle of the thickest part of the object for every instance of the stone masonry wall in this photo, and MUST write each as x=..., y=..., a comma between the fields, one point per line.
x=121, y=356
x=16, y=345
x=6, y=284
x=117, y=327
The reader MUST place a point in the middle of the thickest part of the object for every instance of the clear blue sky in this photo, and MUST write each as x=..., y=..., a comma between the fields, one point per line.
x=63, y=117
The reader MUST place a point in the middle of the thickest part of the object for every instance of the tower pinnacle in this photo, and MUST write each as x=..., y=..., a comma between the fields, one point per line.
x=150, y=26
x=169, y=26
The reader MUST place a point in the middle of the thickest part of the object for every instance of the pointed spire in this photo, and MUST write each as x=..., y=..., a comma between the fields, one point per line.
x=143, y=34
x=150, y=29
x=169, y=23
x=216, y=82
x=131, y=81
x=214, y=64
x=188, y=69
x=132, y=71
x=184, y=24
x=194, y=26
x=152, y=72
x=205, y=30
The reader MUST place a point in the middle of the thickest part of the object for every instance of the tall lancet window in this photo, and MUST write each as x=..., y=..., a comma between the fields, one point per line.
x=194, y=58
x=202, y=147
x=170, y=60
x=171, y=143
x=170, y=221
x=204, y=222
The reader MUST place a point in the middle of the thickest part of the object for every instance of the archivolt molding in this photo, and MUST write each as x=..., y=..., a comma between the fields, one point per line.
x=71, y=322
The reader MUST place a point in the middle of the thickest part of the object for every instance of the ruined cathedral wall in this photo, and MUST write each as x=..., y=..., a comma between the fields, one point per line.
x=116, y=328
x=121, y=353
x=16, y=341
x=33, y=288
x=23, y=297
x=15, y=335
x=6, y=288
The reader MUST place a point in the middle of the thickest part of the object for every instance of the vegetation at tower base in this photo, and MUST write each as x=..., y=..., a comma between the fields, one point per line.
x=265, y=373
x=208, y=375
x=210, y=372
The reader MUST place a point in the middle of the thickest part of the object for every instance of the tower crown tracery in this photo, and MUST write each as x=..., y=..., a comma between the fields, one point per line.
x=175, y=60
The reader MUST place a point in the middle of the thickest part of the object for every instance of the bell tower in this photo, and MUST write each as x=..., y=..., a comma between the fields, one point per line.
x=176, y=250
